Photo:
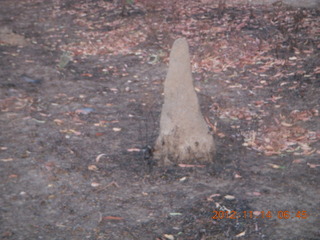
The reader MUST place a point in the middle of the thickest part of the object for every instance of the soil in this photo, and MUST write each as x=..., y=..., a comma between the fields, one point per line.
x=81, y=95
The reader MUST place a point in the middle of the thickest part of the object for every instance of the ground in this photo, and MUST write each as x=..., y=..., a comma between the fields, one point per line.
x=80, y=99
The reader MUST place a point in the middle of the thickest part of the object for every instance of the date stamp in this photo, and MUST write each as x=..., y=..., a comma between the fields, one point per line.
x=217, y=215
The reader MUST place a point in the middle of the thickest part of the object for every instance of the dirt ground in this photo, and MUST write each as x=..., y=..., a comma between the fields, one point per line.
x=80, y=99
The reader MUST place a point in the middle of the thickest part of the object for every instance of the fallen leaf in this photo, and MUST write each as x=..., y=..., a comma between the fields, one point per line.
x=93, y=168
x=253, y=193
x=274, y=165
x=270, y=153
x=112, y=218
x=311, y=165
x=6, y=159
x=95, y=184
x=133, y=149
x=52, y=196
x=298, y=161
x=175, y=214
x=71, y=131
x=317, y=70
x=221, y=135
x=307, y=153
x=286, y=124
x=58, y=122
x=113, y=183
x=197, y=89
x=190, y=165
x=86, y=74
x=241, y=234
x=169, y=236
x=229, y=197
x=115, y=90
x=210, y=198
x=237, y=85
x=100, y=156
x=183, y=179
x=283, y=83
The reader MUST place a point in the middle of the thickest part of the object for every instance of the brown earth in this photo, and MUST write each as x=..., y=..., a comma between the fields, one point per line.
x=80, y=98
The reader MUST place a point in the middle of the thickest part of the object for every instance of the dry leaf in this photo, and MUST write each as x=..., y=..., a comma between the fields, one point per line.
x=95, y=184
x=197, y=89
x=100, y=156
x=311, y=165
x=133, y=149
x=169, y=236
x=221, y=135
x=274, y=165
x=229, y=197
x=58, y=122
x=210, y=198
x=286, y=124
x=237, y=85
x=190, y=165
x=112, y=218
x=86, y=74
x=115, y=90
x=6, y=159
x=241, y=234
x=71, y=131
x=309, y=152
x=183, y=179
x=253, y=193
x=92, y=168
x=237, y=176
x=298, y=161
x=175, y=214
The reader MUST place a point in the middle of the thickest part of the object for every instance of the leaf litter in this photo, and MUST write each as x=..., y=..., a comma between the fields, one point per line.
x=262, y=62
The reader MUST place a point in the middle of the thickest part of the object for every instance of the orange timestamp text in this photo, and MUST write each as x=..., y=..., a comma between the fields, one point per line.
x=259, y=214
